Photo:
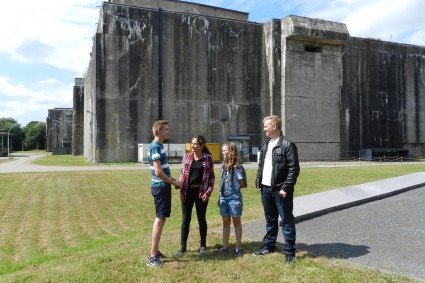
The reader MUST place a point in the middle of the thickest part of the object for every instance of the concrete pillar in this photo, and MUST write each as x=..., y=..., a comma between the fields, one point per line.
x=311, y=84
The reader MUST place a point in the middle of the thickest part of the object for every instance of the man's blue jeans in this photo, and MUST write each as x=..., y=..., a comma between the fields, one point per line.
x=274, y=205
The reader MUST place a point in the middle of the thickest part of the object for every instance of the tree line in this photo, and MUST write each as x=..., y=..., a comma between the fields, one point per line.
x=32, y=136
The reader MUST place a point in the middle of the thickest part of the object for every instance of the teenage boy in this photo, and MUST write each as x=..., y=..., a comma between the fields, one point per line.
x=161, y=186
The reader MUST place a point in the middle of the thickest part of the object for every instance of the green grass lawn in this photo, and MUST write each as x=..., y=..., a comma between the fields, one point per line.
x=96, y=226
x=62, y=160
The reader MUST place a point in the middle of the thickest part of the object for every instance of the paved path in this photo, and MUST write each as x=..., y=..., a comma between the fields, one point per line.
x=21, y=162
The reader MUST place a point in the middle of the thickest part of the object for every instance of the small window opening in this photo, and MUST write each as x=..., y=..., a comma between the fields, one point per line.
x=313, y=48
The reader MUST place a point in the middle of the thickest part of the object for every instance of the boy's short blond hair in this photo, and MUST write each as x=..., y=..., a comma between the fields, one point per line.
x=275, y=120
x=158, y=126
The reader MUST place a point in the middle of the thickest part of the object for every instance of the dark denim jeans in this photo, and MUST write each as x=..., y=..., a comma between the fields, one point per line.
x=192, y=197
x=274, y=205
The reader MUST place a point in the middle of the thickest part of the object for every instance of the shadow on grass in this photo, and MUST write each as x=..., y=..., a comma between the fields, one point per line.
x=330, y=250
x=334, y=250
x=213, y=253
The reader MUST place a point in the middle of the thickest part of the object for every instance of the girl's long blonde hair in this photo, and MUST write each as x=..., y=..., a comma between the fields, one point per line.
x=233, y=159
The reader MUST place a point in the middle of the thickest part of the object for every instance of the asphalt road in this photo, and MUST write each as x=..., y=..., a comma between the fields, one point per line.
x=387, y=234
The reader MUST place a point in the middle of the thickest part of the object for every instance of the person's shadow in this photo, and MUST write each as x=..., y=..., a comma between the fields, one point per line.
x=331, y=250
x=214, y=254
x=334, y=250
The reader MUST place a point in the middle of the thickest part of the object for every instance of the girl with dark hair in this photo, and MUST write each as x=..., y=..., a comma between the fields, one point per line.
x=233, y=178
x=197, y=182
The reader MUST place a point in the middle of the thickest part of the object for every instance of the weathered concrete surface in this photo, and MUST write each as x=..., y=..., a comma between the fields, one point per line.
x=78, y=118
x=218, y=77
x=311, y=84
x=59, y=128
x=204, y=75
x=383, y=96
x=315, y=30
x=273, y=53
x=187, y=8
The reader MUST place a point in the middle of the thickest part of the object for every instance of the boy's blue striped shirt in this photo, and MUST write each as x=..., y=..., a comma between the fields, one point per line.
x=157, y=152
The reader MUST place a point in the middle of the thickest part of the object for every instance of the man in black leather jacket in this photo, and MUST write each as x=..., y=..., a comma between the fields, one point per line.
x=278, y=169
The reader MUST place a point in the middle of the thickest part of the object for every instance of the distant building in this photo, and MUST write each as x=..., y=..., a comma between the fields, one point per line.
x=59, y=130
x=210, y=71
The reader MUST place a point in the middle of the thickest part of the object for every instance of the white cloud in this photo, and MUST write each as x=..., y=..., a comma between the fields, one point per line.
x=26, y=104
x=56, y=33
x=395, y=20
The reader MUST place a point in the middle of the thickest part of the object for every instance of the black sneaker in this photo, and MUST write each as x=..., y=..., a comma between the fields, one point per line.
x=154, y=261
x=237, y=252
x=181, y=251
x=222, y=251
x=263, y=251
x=289, y=259
x=160, y=255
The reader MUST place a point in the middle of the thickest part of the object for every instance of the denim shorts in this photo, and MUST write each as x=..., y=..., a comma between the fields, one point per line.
x=231, y=207
x=162, y=199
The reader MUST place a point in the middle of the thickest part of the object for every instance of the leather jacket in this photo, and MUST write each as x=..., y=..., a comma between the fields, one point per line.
x=285, y=165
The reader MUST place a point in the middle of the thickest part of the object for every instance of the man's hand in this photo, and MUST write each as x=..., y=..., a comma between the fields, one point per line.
x=282, y=193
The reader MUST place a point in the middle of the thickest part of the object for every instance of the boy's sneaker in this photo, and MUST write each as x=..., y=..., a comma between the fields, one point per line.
x=160, y=255
x=154, y=261
x=262, y=251
x=203, y=250
x=237, y=252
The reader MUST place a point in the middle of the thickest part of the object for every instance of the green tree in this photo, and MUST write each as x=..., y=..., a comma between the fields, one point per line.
x=16, y=133
x=35, y=135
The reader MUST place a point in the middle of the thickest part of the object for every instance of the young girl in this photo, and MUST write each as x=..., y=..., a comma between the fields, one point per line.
x=197, y=181
x=232, y=180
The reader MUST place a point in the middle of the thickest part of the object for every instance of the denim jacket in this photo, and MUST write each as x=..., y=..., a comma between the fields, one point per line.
x=229, y=183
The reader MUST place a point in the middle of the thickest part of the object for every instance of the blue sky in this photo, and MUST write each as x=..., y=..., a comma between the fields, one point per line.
x=46, y=44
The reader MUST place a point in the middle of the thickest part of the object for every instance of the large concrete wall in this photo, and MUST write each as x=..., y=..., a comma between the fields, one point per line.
x=78, y=117
x=90, y=119
x=383, y=96
x=219, y=77
x=204, y=74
